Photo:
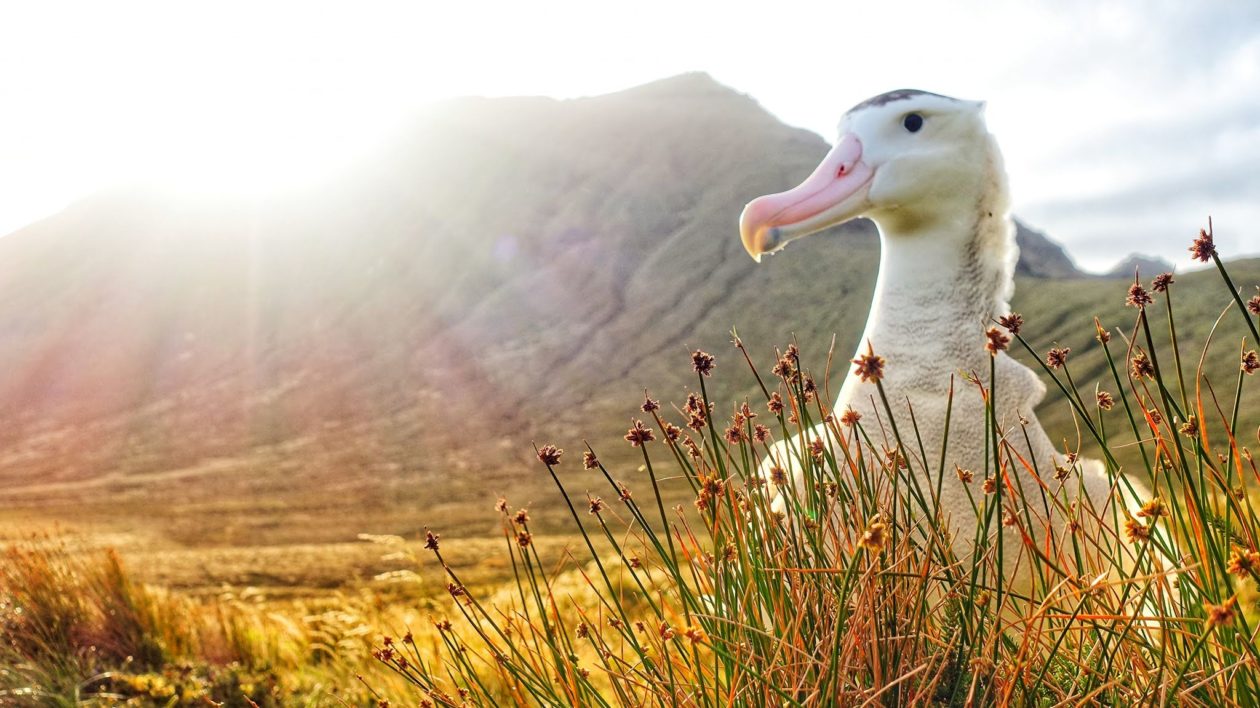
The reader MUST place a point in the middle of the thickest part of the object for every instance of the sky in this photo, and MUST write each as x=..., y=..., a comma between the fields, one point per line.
x=1124, y=124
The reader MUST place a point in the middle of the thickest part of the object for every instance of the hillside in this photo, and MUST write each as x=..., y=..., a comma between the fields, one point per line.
x=376, y=354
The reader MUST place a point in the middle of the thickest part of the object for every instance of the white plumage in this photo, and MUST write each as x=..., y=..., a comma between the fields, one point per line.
x=926, y=170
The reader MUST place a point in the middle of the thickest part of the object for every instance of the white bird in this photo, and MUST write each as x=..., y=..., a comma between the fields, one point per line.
x=926, y=170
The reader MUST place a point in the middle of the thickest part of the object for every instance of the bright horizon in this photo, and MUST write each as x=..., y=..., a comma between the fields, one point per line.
x=1124, y=125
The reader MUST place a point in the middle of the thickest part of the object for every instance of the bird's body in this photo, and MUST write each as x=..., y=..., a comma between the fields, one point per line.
x=926, y=170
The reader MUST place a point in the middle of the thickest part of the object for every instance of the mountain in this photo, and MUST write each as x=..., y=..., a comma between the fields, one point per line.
x=1041, y=257
x=1147, y=266
x=377, y=352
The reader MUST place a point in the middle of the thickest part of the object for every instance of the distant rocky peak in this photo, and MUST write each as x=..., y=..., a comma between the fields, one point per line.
x=1147, y=266
x=1041, y=257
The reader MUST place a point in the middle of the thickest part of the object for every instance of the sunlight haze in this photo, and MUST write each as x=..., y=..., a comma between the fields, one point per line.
x=1120, y=139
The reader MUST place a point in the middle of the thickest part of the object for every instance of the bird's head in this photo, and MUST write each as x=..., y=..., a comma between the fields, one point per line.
x=905, y=159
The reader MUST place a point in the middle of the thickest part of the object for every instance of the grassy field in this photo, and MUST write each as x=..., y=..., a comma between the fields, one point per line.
x=110, y=608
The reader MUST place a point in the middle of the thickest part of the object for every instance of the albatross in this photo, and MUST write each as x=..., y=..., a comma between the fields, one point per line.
x=926, y=170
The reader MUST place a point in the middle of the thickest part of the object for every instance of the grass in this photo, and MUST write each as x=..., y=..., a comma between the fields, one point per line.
x=852, y=593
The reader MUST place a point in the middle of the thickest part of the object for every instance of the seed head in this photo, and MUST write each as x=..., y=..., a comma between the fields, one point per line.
x=1250, y=362
x=623, y=492
x=665, y=631
x=523, y=539
x=501, y=506
x=1161, y=282
x=761, y=433
x=694, y=634
x=672, y=432
x=596, y=505
x=1136, y=531
x=850, y=417
x=1253, y=305
x=1101, y=334
x=589, y=460
x=1243, y=562
x=1223, y=613
x=638, y=435
x=990, y=485
x=818, y=449
x=965, y=476
x=1105, y=400
x=522, y=517
x=431, y=540
x=1203, y=249
x=775, y=404
x=582, y=630
x=1190, y=428
x=1141, y=366
x=870, y=367
x=649, y=405
x=778, y=476
x=997, y=341
x=1155, y=416
x=1153, y=509
x=875, y=536
x=1057, y=357
x=1138, y=297
x=1061, y=473
x=1012, y=322
x=702, y=362
x=550, y=455
x=735, y=434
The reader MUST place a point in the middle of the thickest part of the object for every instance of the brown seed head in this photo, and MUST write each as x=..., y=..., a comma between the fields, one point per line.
x=431, y=540
x=761, y=433
x=775, y=404
x=501, y=506
x=1253, y=305
x=997, y=341
x=990, y=485
x=702, y=362
x=1153, y=509
x=522, y=517
x=589, y=460
x=1136, y=531
x=818, y=449
x=869, y=366
x=1190, y=428
x=550, y=455
x=1057, y=357
x=649, y=405
x=523, y=538
x=965, y=476
x=672, y=432
x=1138, y=297
x=735, y=434
x=1141, y=366
x=623, y=492
x=1223, y=613
x=596, y=505
x=639, y=434
x=1161, y=282
x=1243, y=562
x=875, y=536
x=665, y=631
x=1250, y=362
x=778, y=476
x=694, y=634
x=1105, y=400
x=1012, y=322
x=1203, y=249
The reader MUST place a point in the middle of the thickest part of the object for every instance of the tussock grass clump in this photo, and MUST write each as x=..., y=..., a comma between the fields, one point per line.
x=75, y=628
x=850, y=591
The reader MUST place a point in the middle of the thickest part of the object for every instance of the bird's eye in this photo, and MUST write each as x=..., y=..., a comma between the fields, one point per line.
x=912, y=122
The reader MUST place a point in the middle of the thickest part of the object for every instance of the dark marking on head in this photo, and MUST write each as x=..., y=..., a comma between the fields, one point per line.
x=898, y=95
